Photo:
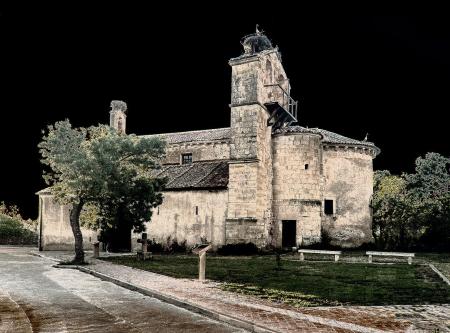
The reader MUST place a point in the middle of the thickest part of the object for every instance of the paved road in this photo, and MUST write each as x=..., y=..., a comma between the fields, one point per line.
x=35, y=297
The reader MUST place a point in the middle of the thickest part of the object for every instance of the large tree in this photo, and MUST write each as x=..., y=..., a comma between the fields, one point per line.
x=412, y=210
x=98, y=166
x=429, y=189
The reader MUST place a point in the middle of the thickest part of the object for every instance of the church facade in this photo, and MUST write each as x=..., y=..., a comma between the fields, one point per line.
x=264, y=179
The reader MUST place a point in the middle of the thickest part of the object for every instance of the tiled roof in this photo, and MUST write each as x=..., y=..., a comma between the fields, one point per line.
x=198, y=175
x=327, y=136
x=46, y=190
x=194, y=136
x=225, y=134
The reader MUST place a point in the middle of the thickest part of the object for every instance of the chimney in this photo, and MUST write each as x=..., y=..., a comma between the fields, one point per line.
x=118, y=117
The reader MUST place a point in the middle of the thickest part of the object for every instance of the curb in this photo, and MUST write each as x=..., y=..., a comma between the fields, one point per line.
x=438, y=272
x=45, y=257
x=235, y=322
x=239, y=323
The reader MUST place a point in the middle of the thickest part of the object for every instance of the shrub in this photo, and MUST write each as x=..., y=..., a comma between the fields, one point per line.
x=171, y=246
x=324, y=244
x=238, y=249
x=12, y=232
x=176, y=247
x=155, y=247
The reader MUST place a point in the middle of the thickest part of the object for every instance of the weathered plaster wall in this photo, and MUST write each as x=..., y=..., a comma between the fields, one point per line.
x=176, y=217
x=205, y=151
x=56, y=231
x=297, y=191
x=349, y=182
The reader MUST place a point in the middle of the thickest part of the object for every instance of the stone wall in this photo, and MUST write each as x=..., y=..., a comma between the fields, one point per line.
x=349, y=183
x=178, y=217
x=56, y=233
x=249, y=175
x=205, y=151
x=297, y=190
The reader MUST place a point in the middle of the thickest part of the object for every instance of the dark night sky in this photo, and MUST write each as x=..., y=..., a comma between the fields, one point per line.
x=385, y=75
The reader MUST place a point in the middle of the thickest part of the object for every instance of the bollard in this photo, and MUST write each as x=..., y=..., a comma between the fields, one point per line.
x=96, y=249
x=202, y=266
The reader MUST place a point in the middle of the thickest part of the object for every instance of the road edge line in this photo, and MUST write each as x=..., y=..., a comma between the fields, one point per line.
x=438, y=272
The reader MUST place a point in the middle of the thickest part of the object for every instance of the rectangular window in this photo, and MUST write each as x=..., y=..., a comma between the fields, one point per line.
x=186, y=158
x=329, y=209
x=157, y=211
x=306, y=166
x=196, y=210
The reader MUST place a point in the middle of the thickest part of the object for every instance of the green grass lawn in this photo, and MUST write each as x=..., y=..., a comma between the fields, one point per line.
x=308, y=283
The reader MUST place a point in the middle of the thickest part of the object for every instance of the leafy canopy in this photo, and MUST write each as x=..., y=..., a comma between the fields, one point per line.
x=413, y=210
x=101, y=168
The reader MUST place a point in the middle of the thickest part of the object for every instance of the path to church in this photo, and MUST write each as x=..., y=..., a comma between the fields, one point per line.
x=35, y=297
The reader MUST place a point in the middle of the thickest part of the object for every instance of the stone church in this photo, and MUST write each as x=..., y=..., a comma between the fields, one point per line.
x=265, y=179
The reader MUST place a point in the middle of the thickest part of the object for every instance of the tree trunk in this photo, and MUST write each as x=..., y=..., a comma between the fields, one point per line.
x=75, y=224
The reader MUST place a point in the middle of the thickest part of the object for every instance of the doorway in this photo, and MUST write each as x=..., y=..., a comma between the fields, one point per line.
x=289, y=233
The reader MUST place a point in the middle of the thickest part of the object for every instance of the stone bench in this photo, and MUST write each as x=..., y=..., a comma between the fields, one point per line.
x=303, y=251
x=390, y=254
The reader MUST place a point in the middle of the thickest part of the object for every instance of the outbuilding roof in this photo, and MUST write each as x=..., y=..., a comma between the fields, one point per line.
x=198, y=175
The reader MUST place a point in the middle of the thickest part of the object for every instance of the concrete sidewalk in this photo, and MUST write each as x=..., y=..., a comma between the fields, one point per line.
x=258, y=315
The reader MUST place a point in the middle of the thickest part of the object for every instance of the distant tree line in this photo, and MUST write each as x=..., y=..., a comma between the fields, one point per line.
x=14, y=230
x=412, y=211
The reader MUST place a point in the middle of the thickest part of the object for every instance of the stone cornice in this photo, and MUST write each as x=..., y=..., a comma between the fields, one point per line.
x=247, y=104
x=245, y=58
x=297, y=133
x=241, y=219
x=240, y=161
x=197, y=143
x=373, y=151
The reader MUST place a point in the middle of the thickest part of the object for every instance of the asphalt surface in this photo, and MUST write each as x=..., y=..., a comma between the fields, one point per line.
x=36, y=297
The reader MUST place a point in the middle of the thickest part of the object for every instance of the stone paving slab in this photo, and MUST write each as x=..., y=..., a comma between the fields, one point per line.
x=280, y=317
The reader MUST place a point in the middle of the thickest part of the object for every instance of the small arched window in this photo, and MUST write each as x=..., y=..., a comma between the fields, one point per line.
x=269, y=73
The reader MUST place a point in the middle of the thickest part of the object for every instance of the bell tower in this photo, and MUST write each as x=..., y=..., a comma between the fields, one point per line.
x=260, y=103
x=118, y=117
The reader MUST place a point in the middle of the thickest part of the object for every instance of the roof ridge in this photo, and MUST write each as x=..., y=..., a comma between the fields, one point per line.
x=189, y=132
